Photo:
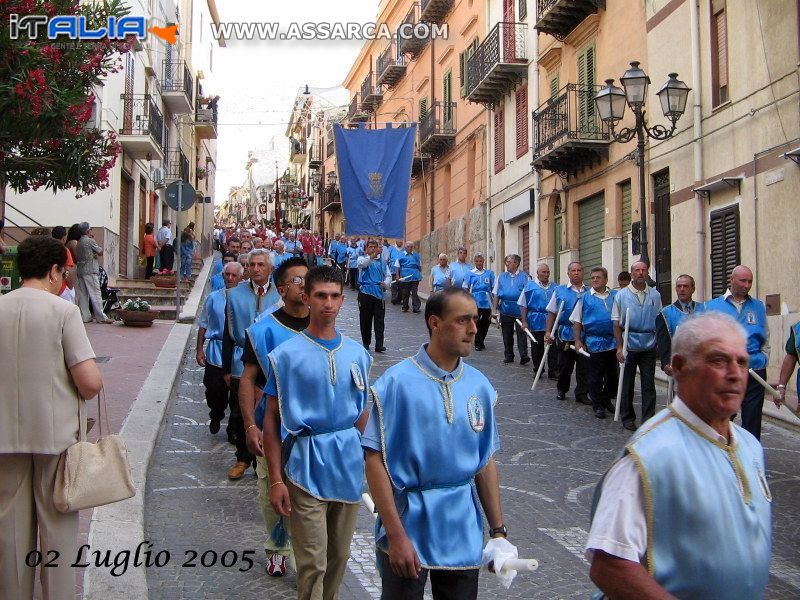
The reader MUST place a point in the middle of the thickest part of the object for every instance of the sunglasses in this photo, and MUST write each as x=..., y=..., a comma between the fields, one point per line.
x=296, y=280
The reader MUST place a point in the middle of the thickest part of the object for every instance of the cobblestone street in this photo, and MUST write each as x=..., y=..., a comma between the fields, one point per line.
x=552, y=455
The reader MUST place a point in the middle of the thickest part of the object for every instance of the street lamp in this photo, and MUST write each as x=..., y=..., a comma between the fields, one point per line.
x=610, y=102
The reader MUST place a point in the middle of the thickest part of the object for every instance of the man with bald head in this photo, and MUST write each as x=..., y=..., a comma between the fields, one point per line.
x=638, y=304
x=688, y=484
x=751, y=314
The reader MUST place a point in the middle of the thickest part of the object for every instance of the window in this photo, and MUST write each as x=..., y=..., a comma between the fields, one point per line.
x=447, y=95
x=523, y=9
x=499, y=139
x=587, y=75
x=423, y=109
x=724, y=247
x=555, y=84
x=522, y=120
x=719, y=53
x=463, y=60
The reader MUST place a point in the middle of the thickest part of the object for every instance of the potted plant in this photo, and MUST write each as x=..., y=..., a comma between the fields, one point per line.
x=164, y=278
x=137, y=313
x=201, y=172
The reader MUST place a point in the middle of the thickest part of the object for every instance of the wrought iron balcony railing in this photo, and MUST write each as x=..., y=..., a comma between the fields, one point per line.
x=435, y=11
x=560, y=17
x=410, y=42
x=498, y=63
x=176, y=165
x=177, y=78
x=354, y=113
x=437, y=129
x=568, y=134
x=141, y=116
x=371, y=94
x=390, y=66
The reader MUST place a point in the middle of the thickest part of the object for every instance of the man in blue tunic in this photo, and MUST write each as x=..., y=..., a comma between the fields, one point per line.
x=480, y=284
x=790, y=361
x=685, y=512
x=408, y=269
x=211, y=326
x=429, y=444
x=353, y=252
x=507, y=289
x=672, y=316
x=218, y=280
x=752, y=315
x=567, y=296
x=244, y=303
x=460, y=269
x=441, y=276
x=317, y=391
x=373, y=281
x=394, y=254
x=263, y=337
x=533, y=303
x=642, y=304
x=594, y=333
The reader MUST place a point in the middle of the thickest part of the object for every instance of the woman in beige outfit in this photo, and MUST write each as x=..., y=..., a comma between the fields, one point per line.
x=47, y=368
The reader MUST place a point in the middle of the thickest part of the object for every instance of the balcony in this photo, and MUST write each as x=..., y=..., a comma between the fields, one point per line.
x=205, y=123
x=177, y=87
x=355, y=114
x=371, y=94
x=568, y=134
x=298, y=152
x=176, y=165
x=315, y=157
x=437, y=129
x=498, y=64
x=142, y=131
x=390, y=66
x=331, y=200
x=409, y=42
x=559, y=17
x=435, y=11
x=420, y=163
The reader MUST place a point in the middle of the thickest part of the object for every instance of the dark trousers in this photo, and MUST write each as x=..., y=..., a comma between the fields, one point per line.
x=167, y=256
x=484, y=322
x=602, y=375
x=343, y=268
x=508, y=326
x=148, y=268
x=409, y=289
x=236, y=425
x=753, y=404
x=216, y=392
x=371, y=309
x=454, y=584
x=646, y=361
x=352, y=278
x=311, y=259
x=537, y=352
x=569, y=360
x=395, y=289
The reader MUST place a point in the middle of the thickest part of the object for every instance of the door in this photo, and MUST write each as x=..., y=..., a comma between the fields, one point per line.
x=142, y=210
x=557, y=247
x=524, y=245
x=125, y=209
x=591, y=214
x=626, y=222
x=662, y=252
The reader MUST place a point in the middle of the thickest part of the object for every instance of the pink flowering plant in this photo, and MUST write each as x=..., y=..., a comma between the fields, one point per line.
x=47, y=99
x=165, y=272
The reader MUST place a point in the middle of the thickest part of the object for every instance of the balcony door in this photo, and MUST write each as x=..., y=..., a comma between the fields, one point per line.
x=127, y=107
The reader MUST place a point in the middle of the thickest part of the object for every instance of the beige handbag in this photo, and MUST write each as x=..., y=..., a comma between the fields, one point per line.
x=93, y=474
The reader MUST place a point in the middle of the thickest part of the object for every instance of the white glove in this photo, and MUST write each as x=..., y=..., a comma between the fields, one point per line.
x=498, y=551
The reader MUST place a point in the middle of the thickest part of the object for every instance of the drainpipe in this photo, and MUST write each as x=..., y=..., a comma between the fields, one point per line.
x=537, y=216
x=697, y=146
x=433, y=108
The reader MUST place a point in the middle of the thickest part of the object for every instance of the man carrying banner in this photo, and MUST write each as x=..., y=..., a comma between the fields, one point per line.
x=430, y=465
x=480, y=284
x=408, y=269
x=533, y=303
x=373, y=280
x=317, y=391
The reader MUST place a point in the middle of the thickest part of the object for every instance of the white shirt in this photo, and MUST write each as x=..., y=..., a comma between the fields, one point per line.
x=619, y=526
x=552, y=306
x=522, y=301
x=497, y=280
x=575, y=317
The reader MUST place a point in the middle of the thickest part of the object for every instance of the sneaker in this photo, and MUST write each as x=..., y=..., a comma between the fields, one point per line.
x=213, y=426
x=276, y=565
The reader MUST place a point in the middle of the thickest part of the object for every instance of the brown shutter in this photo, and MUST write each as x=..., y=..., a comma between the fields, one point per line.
x=724, y=247
x=722, y=48
x=522, y=121
x=499, y=140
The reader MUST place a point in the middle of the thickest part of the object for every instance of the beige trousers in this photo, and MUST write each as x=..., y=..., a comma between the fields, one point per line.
x=270, y=517
x=26, y=508
x=321, y=536
x=89, y=297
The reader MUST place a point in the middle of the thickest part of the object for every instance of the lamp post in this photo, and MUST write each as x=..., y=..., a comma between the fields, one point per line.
x=611, y=102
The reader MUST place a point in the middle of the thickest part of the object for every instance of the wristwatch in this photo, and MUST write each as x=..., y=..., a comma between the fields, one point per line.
x=498, y=531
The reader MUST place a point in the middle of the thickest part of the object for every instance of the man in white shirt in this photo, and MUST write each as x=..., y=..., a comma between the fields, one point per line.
x=165, y=247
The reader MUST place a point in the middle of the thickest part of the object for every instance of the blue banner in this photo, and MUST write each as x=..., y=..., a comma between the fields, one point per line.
x=374, y=176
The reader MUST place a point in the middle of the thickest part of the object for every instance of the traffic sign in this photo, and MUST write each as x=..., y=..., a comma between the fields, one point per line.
x=188, y=195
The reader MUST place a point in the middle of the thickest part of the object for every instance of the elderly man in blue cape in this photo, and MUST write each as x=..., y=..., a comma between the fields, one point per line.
x=408, y=268
x=244, y=303
x=218, y=281
x=480, y=284
x=686, y=511
x=272, y=329
x=317, y=392
x=507, y=288
x=429, y=445
x=211, y=326
x=533, y=303
x=673, y=315
x=460, y=269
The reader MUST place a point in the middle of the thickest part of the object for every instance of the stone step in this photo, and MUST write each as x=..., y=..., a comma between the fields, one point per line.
x=151, y=291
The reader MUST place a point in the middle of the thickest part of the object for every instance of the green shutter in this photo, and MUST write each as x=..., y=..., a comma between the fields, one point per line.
x=554, y=85
x=423, y=108
x=462, y=71
x=626, y=222
x=557, y=223
x=591, y=213
x=587, y=75
x=447, y=95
